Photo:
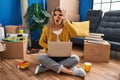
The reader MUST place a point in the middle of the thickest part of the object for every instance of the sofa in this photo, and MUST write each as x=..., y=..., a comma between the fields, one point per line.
x=110, y=26
x=94, y=16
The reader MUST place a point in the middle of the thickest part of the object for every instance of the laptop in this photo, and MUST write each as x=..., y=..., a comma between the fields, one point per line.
x=59, y=49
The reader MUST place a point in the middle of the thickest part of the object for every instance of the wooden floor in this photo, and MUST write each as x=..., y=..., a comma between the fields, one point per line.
x=99, y=71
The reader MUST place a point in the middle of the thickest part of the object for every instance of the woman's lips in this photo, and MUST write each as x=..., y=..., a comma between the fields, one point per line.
x=57, y=20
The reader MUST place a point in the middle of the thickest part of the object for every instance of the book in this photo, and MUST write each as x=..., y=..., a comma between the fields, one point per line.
x=93, y=38
x=96, y=42
x=96, y=34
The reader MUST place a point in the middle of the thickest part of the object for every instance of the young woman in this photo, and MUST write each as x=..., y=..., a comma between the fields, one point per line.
x=61, y=30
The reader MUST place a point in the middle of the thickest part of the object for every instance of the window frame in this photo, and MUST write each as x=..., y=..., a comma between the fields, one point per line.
x=101, y=3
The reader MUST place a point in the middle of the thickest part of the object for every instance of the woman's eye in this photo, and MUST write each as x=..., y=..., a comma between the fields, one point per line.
x=54, y=15
x=60, y=14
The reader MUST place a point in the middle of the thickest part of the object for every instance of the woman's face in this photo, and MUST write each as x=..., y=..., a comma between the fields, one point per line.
x=57, y=17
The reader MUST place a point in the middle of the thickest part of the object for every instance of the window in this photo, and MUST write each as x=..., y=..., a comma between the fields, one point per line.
x=106, y=5
x=115, y=6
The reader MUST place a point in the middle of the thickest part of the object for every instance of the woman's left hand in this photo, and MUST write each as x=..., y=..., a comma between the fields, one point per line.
x=63, y=11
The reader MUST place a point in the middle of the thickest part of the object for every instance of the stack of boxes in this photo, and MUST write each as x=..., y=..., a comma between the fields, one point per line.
x=14, y=49
x=71, y=6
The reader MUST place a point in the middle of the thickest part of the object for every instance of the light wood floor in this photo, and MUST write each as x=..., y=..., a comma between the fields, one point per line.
x=99, y=71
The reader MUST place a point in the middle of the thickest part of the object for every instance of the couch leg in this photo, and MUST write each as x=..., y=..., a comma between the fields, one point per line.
x=115, y=54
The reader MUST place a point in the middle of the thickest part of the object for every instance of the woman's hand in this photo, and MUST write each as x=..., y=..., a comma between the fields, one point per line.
x=63, y=11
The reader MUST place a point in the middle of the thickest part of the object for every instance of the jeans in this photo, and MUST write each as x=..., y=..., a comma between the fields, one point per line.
x=57, y=65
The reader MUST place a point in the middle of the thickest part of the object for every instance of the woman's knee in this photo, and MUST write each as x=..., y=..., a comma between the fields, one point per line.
x=42, y=57
x=76, y=58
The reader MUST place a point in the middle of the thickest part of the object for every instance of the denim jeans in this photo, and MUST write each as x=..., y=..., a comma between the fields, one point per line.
x=57, y=65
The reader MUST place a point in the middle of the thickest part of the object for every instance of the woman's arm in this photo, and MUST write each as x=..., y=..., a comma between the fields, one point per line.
x=72, y=29
x=43, y=38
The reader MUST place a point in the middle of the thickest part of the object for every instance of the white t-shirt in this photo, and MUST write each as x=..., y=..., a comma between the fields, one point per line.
x=58, y=33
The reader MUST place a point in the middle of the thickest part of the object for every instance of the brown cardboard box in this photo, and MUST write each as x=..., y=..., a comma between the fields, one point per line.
x=71, y=6
x=11, y=29
x=72, y=17
x=14, y=50
x=97, y=52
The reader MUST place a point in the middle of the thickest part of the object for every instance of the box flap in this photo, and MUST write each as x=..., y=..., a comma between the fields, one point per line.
x=1, y=48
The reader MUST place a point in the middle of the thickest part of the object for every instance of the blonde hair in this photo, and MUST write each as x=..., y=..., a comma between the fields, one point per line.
x=51, y=20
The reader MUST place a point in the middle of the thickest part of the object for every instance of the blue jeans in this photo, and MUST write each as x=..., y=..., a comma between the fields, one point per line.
x=56, y=65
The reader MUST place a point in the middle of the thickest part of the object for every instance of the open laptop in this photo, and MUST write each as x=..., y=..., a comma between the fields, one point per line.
x=59, y=49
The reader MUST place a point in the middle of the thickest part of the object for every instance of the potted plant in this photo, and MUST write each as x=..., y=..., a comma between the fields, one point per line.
x=38, y=17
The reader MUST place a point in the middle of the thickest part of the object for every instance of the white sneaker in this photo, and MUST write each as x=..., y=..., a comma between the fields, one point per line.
x=79, y=72
x=73, y=68
x=40, y=68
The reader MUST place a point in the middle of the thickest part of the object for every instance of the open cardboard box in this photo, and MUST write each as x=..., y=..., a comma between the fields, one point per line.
x=14, y=50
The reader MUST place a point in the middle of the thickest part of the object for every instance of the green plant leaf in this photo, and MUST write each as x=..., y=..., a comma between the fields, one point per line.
x=45, y=13
x=38, y=20
x=37, y=17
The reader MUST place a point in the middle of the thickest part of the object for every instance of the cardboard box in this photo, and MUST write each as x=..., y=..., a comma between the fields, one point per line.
x=24, y=35
x=11, y=29
x=97, y=52
x=75, y=18
x=14, y=50
x=72, y=6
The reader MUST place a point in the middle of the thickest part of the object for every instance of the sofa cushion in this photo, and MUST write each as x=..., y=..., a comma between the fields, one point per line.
x=95, y=17
x=82, y=27
x=110, y=26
